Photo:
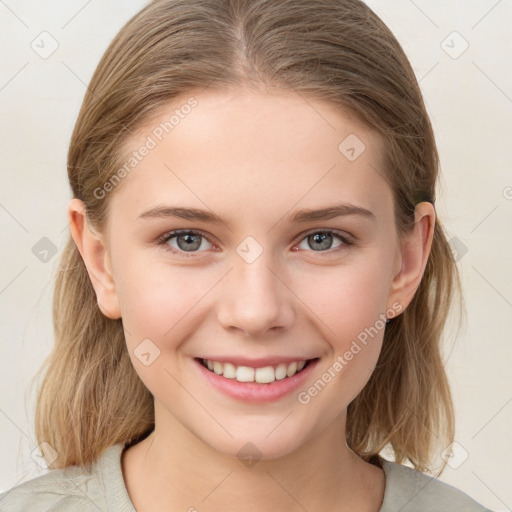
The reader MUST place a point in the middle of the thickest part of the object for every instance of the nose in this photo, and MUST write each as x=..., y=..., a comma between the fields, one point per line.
x=255, y=298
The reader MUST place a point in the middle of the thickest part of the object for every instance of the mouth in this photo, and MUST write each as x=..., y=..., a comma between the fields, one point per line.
x=239, y=382
x=263, y=375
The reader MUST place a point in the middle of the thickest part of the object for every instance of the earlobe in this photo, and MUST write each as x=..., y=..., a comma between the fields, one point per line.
x=96, y=258
x=415, y=250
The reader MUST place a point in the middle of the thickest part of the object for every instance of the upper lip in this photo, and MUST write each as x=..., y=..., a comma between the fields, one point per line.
x=257, y=362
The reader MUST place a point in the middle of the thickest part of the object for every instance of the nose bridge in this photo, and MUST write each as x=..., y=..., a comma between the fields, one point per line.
x=255, y=276
x=252, y=275
x=254, y=299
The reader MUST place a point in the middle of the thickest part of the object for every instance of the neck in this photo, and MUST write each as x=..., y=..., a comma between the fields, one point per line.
x=174, y=470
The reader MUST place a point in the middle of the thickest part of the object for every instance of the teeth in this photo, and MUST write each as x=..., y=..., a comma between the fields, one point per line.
x=281, y=372
x=292, y=369
x=263, y=375
x=244, y=374
x=229, y=371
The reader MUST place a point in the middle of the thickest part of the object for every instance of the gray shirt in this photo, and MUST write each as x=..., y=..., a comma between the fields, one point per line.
x=101, y=488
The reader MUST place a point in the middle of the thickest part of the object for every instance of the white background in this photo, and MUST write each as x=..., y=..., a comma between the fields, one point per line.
x=469, y=99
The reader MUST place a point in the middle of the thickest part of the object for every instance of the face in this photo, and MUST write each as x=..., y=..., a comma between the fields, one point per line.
x=262, y=280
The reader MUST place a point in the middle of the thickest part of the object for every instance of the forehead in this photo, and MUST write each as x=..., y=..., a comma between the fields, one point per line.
x=249, y=151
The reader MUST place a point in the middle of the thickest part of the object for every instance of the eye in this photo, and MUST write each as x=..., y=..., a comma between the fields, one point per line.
x=321, y=240
x=189, y=241
x=186, y=241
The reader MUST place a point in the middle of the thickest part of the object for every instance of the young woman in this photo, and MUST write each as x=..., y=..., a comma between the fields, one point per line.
x=250, y=306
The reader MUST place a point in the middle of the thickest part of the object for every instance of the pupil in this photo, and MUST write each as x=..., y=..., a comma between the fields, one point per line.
x=321, y=238
x=189, y=242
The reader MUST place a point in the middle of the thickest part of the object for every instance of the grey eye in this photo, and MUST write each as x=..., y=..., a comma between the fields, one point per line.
x=187, y=242
x=321, y=240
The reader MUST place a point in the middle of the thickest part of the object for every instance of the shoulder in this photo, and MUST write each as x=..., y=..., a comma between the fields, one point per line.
x=74, y=488
x=409, y=490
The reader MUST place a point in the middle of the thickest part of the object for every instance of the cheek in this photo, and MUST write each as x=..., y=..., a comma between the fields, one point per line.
x=347, y=304
x=158, y=310
x=344, y=299
x=157, y=302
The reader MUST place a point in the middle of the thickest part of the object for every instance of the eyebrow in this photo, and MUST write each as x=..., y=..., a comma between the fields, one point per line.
x=331, y=212
x=305, y=215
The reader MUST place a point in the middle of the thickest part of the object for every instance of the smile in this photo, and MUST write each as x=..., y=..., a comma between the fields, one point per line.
x=255, y=384
x=264, y=375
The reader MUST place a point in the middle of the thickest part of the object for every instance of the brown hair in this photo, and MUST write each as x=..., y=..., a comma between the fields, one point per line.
x=337, y=51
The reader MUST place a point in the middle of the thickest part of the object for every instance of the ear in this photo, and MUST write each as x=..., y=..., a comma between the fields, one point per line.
x=96, y=258
x=413, y=255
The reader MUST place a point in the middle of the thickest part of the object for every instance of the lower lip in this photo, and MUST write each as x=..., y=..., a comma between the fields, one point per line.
x=253, y=391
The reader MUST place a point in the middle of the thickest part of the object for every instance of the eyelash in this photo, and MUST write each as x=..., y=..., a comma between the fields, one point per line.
x=162, y=240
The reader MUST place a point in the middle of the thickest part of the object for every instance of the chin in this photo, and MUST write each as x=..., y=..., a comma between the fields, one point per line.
x=250, y=445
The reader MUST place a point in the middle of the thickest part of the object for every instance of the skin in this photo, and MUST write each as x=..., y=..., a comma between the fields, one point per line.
x=252, y=158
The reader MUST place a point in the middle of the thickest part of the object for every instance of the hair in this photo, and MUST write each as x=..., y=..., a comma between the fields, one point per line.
x=336, y=51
